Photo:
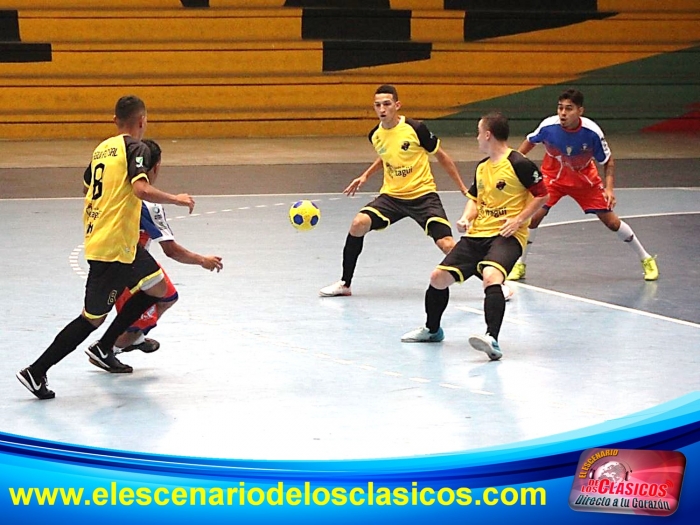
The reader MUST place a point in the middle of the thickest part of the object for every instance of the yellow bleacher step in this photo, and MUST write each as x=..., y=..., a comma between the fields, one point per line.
x=168, y=25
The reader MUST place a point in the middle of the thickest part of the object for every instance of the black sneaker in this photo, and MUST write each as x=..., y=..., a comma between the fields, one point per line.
x=40, y=389
x=147, y=347
x=106, y=360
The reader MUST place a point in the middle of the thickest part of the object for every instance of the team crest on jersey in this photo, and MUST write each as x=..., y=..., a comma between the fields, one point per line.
x=405, y=146
x=569, y=149
x=584, y=147
x=501, y=184
x=139, y=162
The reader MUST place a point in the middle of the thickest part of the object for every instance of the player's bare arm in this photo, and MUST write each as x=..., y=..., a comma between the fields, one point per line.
x=513, y=224
x=609, y=170
x=469, y=214
x=451, y=168
x=357, y=183
x=144, y=191
x=526, y=147
x=182, y=255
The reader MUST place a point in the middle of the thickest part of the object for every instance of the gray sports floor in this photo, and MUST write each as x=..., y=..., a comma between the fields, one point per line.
x=254, y=364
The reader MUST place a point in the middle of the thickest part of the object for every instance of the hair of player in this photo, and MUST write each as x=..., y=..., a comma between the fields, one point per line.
x=574, y=95
x=155, y=150
x=497, y=123
x=128, y=109
x=387, y=89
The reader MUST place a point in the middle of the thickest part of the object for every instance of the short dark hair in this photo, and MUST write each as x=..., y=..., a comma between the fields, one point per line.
x=155, y=152
x=574, y=95
x=128, y=108
x=387, y=89
x=497, y=123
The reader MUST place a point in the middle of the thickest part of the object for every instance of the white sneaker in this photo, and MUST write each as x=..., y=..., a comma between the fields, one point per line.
x=486, y=344
x=335, y=290
x=508, y=292
x=423, y=335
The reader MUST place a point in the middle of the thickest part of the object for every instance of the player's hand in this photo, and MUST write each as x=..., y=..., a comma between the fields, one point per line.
x=183, y=199
x=510, y=227
x=610, y=198
x=212, y=262
x=355, y=185
x=463, y=225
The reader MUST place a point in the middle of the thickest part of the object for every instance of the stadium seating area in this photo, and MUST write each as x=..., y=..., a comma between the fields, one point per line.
x=235, y=68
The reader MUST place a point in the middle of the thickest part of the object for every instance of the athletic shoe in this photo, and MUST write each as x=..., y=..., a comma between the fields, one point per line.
x=507, y=292
x=423, y=335
x=39, y=388
x=517, y=273
x=651, y=270
x=487, y=344
x=106, y=360
x=335, y=290
x=148, y=346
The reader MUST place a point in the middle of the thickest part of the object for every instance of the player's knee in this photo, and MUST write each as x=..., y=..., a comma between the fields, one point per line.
x=446, y=244
x=492, y=276
x=96, y=322
x=611, y=220
x=360, y=225
x=441, y=279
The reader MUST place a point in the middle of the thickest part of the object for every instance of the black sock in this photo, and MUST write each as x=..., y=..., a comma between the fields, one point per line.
x=65, y=342
x=494, y=309
x=132, y=310
x=435, y=305
x=351, y=252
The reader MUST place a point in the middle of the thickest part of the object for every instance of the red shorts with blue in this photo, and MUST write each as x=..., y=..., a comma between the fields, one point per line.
x=591, y=199
x=149, y=318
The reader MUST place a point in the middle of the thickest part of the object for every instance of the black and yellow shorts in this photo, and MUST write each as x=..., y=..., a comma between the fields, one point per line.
x=471, y=254
x=426, y=210
x=107, y=280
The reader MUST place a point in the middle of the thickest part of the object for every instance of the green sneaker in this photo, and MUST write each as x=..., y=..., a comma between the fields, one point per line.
x=651, y=270
x=517, y=273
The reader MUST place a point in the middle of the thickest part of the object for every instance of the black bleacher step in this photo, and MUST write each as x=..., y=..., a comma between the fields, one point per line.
x=356, y=24
x=21, y=52
x=342, y=4
x=340, y=55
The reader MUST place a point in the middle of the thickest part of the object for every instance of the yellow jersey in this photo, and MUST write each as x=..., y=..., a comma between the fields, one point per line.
x=112, y=211
x=404, y=152
x=500, y=190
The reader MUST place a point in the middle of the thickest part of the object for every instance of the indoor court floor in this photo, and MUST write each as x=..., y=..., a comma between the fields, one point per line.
x=254, y=365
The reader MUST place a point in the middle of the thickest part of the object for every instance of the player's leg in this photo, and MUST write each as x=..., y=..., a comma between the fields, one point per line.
x=498, y=261
x=99, y=298
x=520, y=267
x=147, y=285
x=377, y=215
x=135, y=336
x=457, y=266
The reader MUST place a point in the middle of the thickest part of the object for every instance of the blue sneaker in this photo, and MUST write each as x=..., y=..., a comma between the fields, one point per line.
x=423, y=335
x=487, y=344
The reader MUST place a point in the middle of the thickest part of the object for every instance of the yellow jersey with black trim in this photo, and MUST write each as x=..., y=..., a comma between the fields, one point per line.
x=500, y=190
x=404, y=151
x=112, y=211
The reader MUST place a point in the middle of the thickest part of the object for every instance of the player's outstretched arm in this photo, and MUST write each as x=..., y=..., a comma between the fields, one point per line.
x=182, y=255
x=526, y=147
x=451, y=168
x=144, y=191
x=357, y=183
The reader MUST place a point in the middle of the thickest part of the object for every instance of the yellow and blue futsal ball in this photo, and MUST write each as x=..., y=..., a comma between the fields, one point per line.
x=304, y=215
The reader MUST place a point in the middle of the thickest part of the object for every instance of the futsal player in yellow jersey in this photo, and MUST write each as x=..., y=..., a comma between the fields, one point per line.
x=409, y=189
x=118, y=181
x=507, y=190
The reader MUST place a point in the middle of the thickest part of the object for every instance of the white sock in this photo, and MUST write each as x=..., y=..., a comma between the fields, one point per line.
x=117, y=349
x=530, y=240
x=626, y=234
x=140, y=339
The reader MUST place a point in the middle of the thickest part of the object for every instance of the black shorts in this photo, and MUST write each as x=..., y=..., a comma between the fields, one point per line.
x=471, y=254
x=426, y=210
x=107, y=280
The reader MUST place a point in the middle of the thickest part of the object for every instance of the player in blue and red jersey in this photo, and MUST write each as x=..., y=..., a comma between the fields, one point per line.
x=573, y=144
